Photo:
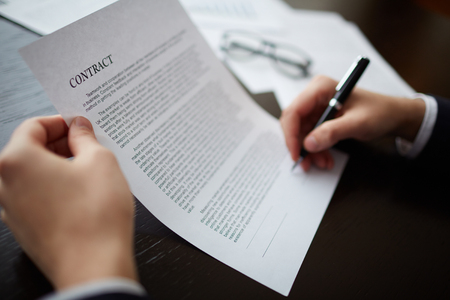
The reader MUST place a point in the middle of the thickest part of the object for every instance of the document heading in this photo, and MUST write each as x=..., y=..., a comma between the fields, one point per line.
x=91, y=71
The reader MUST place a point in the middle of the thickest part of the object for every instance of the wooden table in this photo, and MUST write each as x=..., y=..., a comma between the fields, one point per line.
x=385, y=234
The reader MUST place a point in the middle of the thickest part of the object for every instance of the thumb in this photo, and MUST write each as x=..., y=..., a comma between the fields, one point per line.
x=329, y=133
x=81, y=136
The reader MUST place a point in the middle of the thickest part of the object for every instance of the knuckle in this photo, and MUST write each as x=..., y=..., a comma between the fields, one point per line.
x=11, y=161
x=285, y=113
x=324, y=81
x=329, y=133
x=27, y=126
x=288, y=116
x=320, y=78
x=30, y=121
x=4, y=217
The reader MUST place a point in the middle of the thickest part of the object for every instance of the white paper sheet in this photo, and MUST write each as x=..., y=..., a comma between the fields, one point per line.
x=47, y=16
x=331, y=42
x=195, y=149
x=219, y=14
x=310, y=31
x=334, y=44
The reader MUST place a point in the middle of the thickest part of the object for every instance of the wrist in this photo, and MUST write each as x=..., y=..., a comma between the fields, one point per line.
x=77, y=266
x=413, y=111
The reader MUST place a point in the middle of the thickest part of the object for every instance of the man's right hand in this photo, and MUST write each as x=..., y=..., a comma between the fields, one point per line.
x=364, y=116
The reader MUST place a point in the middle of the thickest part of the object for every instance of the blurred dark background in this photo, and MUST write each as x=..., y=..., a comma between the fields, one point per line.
x=412, y=35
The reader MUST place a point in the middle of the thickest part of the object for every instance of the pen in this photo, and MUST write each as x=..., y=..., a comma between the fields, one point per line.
x=343, y=90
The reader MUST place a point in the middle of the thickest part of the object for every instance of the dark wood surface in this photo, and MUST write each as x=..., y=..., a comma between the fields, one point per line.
x=386, y=232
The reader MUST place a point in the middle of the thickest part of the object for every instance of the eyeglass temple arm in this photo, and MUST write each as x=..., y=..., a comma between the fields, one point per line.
x=269, y=55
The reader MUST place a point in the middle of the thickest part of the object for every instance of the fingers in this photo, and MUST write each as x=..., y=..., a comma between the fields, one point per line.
x=81, y=136
x=306, y=163
x=3, y=216
x=56, y=131
x=290, y=123
x=303, y=113
x=55, y=127
x=42, y=130
x=1, y=199
x=29, y=140
x=317, y=94
x=323, y=160
x=60, y=147
x=329, y=133
x=3, y=204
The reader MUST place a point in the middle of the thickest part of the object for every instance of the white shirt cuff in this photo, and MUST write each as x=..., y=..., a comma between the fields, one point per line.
x=412, y=150
x=93, y=288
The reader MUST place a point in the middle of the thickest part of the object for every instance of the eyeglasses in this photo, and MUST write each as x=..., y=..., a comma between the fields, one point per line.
x=245, y=46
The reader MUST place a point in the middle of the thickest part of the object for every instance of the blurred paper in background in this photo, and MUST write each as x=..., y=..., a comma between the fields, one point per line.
x=330, y=41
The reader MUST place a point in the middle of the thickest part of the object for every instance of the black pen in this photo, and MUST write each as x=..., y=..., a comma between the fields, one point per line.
x=343, y=90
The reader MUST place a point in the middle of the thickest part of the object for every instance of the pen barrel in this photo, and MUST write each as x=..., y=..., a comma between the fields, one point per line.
x=303, y=152
x=327, y=115
x=350, y=82
x=343, y=90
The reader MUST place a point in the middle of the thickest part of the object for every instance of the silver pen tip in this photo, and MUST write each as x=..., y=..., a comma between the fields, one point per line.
x=297, y=163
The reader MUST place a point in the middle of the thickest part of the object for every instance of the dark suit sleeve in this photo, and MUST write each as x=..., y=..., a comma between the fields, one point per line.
x=117, y=296
x=438, y=147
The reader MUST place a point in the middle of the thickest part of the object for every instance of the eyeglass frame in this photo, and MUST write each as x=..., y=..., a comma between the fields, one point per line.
x=266, y=46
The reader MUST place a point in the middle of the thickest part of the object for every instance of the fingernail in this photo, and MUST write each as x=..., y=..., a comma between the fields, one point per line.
x=82, y=122
x=311, y=144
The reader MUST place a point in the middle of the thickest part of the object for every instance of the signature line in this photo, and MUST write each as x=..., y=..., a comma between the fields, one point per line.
x=275, y=234
x=259, y=227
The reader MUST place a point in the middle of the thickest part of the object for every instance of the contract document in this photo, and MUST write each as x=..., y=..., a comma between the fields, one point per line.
x=196, y=150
